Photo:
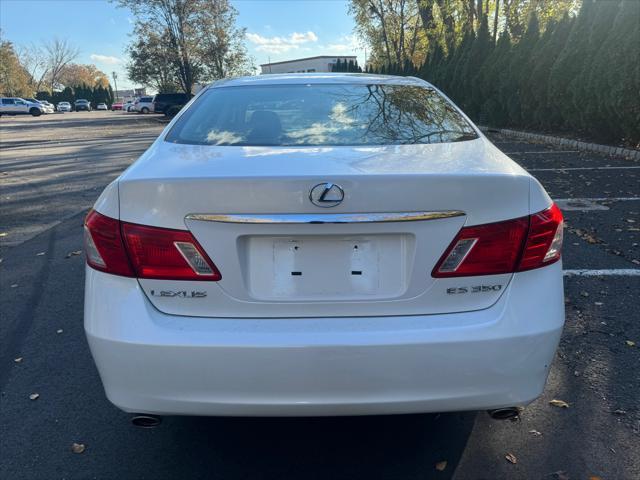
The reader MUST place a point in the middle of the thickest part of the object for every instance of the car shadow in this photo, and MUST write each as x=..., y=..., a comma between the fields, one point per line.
x=370, y=447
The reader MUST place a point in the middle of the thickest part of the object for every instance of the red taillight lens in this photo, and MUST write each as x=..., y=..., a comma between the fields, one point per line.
x=504, y=247
x=145, y=252
x=484, y=250
x=167, y=254
x=103, y=245
x=544, y=242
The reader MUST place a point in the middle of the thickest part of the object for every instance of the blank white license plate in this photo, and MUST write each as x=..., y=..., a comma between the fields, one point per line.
x=327, y=267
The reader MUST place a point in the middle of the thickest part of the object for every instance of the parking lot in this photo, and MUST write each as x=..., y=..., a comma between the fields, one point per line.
x=52, y=168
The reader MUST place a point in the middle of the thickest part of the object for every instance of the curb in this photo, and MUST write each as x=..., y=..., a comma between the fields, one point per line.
x=568, y=143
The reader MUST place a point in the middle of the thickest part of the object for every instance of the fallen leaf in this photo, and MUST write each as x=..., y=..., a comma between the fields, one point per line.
x=74, y=253
x=59, y=330
x=17, y=360
x=440, y=466
x=511, y=458
x=559, y=403
x=39, y=254
x=584, y=294
x=535, y=433
x=629, y=220
x=3, y=234
x=14, y=285
x=619, y=411
x=630, y=343
x=34, y=396
x=599, y=304
x=77, y=447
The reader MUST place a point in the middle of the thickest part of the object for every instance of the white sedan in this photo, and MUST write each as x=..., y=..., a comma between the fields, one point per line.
x=323, y=245
x=102, y=106
x=64, y=107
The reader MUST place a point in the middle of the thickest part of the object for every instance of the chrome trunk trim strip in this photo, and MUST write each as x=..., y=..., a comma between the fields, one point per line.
x=320, y=218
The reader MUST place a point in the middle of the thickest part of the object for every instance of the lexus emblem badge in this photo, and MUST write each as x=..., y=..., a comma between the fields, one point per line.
x=326, y=195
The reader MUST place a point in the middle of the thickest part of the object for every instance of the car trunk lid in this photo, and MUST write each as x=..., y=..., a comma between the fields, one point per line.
x=280, y=255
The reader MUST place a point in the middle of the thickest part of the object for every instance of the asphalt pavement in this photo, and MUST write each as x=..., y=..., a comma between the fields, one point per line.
x=52, y=168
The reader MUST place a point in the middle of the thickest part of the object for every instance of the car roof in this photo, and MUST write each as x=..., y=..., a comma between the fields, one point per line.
x=319, y=78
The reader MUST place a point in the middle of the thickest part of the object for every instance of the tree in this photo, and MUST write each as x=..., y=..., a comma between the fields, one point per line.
x=14, y=78
x=392, y=28
x=33, y=59
x=198, y=37
x=545, y=113
x=59, y=53
x=480, y=50
x=590, y=108
x=75, y=74
x=570, y=62
x=491, y=77
x=519, y=103
x=221, y=46
x=614, y=78
x=151, y=59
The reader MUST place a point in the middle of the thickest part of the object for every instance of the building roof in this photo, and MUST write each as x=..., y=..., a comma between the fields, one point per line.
x=307, y=58
x=317, y=78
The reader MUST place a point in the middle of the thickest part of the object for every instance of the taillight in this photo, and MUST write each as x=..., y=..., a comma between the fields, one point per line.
x=145, y=252
x=544, y=241
x=504, y=247
x=103, y=245
x=167, y=254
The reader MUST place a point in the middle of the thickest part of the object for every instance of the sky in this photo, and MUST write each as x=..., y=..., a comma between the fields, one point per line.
x=276, y=29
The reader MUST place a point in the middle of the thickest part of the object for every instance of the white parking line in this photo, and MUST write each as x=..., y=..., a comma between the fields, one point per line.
x=581, y=168
x=542, y=152
x=599, y=199
x=611, y=272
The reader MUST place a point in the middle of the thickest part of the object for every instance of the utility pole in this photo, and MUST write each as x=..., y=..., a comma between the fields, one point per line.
x=115, y=84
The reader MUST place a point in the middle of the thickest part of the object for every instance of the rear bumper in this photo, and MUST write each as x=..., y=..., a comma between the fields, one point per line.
x=151, y=362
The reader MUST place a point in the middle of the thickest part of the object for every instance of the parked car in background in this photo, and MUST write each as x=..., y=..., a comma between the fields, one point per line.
x=102, y=106
x=82, y=104
x=116, y=106
x=128, y=106
x=143, y=105
x=50, y=106
x=64, y=107
x=323, y=245
x=170, y=103
x=17, y=106
x=47, y=107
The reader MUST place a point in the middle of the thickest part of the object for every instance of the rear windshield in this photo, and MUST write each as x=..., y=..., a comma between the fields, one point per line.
x=315, y=115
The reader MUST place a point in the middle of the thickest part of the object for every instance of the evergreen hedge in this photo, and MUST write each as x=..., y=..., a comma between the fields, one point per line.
x=580, y=76
x=95, y=95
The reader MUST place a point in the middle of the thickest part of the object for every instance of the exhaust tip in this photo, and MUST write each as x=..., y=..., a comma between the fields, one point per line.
x=509, y=413
x=145, y=421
